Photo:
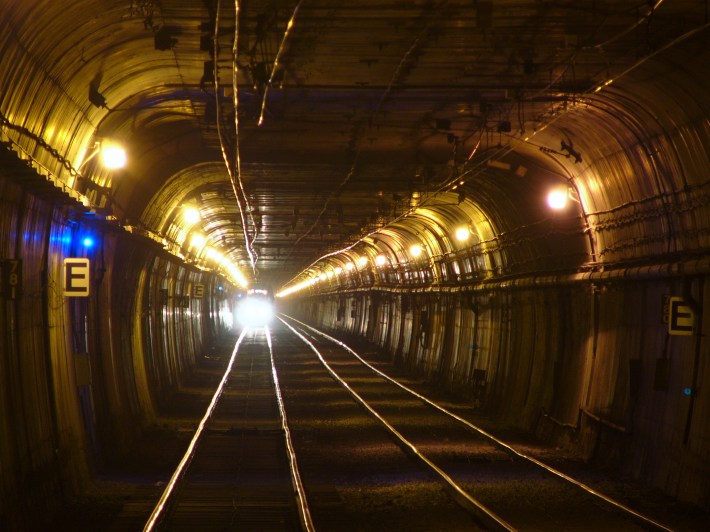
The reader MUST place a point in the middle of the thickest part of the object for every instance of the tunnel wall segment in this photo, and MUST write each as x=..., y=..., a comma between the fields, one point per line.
x=583, y=363
x=82, y=377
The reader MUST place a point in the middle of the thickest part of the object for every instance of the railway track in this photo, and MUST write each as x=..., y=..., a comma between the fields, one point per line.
x=470, y=462
x=239, y=471
x=344, y=447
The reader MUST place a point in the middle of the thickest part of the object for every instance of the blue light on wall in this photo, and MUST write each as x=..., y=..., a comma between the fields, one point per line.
x=64, y=239
x=87, y=242
x=687, y=391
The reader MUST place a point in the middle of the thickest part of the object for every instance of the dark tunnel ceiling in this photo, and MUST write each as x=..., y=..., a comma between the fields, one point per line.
x=371, y=101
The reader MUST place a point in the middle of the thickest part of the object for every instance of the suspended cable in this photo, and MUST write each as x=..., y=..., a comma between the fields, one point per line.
x=480, y=167
x=235, y=92
x=599, y=86
x=275, y=66
x=410, y=51
x=653, y=54
x=395, y=76
x=651, y=10
x=330, y=198
x=569, y=62
x=233, y=169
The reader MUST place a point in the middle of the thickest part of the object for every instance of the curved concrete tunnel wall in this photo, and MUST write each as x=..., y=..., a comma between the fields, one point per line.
x=580, y=358
x=83, y=377
x=575, y=361
x=585, y=356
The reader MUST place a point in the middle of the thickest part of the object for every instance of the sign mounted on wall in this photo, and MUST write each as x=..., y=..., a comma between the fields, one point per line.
x=76, y=277
x=681, y=318
x=198, y=291
x=11, y=278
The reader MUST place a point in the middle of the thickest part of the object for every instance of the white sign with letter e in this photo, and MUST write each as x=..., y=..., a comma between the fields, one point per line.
x=76, y=277
x=198, y=291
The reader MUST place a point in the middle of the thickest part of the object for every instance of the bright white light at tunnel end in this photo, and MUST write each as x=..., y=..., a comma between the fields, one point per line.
x=255, y=312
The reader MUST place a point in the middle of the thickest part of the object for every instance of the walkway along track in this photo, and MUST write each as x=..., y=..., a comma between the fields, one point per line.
x=467, y=458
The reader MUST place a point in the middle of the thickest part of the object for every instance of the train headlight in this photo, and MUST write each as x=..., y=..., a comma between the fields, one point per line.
x=255, y=312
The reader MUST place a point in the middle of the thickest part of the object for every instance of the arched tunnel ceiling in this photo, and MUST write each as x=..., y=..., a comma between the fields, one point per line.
x=366, y=104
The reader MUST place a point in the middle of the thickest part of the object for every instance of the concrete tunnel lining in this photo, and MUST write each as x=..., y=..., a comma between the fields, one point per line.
x=395, y=126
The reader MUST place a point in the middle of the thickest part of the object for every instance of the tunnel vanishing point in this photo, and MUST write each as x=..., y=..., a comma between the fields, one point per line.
x=510, y=198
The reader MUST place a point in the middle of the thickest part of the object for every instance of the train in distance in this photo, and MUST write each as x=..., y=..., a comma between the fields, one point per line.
x=255, y=307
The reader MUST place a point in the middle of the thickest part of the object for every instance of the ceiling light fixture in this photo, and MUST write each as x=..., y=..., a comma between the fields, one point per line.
x=191, y=215
x=197, y=241
x=113, y=156
x=557, y=197
x=462, y=233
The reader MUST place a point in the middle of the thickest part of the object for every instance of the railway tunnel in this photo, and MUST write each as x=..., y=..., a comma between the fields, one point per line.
x=507, y=198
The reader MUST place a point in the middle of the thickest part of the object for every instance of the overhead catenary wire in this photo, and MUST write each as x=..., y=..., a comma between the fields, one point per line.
x=233, y=167
x=275, y=66
x=444, y=187
x=238, y=164
x=357, y=140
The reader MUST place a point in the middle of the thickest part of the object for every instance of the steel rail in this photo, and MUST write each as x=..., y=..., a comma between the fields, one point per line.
x=304, y=512
x=485, y=515
x=179, y=473
x=630, y=512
